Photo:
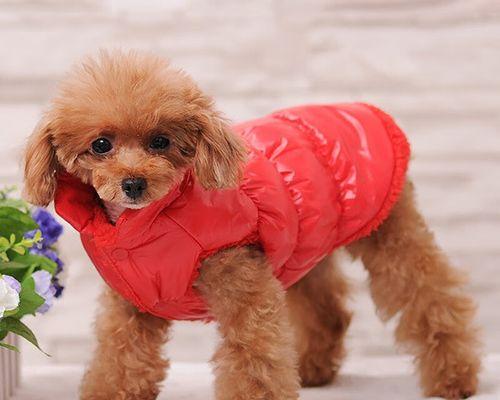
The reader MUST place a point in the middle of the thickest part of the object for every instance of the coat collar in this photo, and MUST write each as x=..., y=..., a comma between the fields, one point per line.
x=79, y=204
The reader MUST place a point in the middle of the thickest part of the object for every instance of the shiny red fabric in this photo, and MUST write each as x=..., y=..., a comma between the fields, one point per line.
x=318, y=177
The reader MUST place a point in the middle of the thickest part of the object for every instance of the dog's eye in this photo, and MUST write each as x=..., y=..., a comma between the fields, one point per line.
x=102, y=146
x=159, y=142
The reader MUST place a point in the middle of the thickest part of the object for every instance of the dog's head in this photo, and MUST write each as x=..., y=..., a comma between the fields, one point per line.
x=131, y=126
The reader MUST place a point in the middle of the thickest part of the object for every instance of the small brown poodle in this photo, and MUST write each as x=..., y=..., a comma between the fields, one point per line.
x=273, y=340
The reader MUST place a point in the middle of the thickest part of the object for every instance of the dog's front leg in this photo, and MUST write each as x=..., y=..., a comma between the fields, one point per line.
x=256, y=359
x=128, y=362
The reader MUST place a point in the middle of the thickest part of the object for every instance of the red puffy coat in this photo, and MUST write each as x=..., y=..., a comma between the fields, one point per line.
x=318, y=177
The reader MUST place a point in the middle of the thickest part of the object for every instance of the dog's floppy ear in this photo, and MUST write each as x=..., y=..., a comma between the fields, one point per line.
x=220, y=153
x=40, y=165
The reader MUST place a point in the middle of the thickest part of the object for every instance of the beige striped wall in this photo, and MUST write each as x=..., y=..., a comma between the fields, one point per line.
x=433, y=64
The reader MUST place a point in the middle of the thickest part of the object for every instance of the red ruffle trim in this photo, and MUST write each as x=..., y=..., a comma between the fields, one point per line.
x=401, y=149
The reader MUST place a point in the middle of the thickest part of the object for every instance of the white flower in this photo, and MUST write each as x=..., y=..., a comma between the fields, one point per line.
x=9, y=298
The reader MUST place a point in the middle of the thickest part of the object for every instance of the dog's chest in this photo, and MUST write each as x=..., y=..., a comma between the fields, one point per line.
x=113, y=211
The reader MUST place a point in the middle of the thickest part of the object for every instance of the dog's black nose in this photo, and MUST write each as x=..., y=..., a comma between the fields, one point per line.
x=134, y=187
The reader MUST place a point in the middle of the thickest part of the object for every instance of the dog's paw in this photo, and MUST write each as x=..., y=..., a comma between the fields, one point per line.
x=454, y=383
x=455, y=391
x=317, y=372
x=119, y=394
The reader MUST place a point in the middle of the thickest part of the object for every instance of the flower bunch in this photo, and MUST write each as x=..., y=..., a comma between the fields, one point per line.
x=29, y=265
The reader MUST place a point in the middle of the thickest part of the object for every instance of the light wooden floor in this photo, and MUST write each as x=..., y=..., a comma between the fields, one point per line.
x=434, y=65
x=374, y=378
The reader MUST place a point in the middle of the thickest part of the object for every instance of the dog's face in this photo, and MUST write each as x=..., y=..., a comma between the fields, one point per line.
x=130, y=126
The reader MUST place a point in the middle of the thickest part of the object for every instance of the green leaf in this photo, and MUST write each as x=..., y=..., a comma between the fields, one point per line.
x=8, y=313
x=12, y=264
x=15, y=269
x=28, y=273
x=15, y=326
x=14, y=221
x=9, y=347
x=29, y=300
x=27, y=243
x=4, y=244
x=19, y=249
x=33, y=259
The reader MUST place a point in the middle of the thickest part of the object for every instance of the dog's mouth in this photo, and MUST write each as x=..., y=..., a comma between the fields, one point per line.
x=135, y=204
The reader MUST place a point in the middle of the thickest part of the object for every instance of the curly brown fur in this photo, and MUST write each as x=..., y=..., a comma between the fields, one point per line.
x=319, y=315
x=129, y=99
x=410, y=275
x=128, y=362
x=256, y=360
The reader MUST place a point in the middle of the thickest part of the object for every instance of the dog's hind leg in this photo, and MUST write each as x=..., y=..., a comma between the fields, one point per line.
x=411, y=276
x=320, y=319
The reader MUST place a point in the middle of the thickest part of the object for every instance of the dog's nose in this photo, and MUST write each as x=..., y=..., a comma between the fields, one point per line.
x=134, y=187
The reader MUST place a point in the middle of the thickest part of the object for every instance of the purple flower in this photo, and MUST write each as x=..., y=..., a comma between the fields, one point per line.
x=12, y=282
x=58, y=287
x=51, y=229
x=45, y=289
x=50, y=254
